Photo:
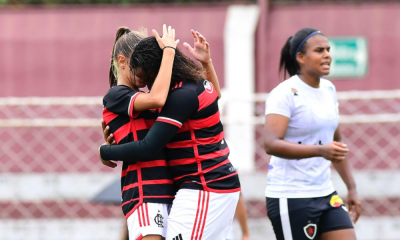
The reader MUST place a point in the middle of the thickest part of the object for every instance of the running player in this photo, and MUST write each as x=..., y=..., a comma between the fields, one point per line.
x=147, y=187
x=190, y=128
x=302, y=135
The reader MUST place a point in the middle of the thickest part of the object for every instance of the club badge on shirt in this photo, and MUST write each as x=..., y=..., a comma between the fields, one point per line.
x=294, y=91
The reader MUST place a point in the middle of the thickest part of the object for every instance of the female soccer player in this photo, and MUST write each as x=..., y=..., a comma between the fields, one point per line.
x=190, y=128
x=147, y=187
x=301, y=133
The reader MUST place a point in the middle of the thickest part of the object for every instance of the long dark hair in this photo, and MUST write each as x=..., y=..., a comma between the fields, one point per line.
x=124, y=43
x=295, y=44
x=148, y=56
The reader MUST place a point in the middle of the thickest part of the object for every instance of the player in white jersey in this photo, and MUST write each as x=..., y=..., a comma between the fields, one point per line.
x=301, y=133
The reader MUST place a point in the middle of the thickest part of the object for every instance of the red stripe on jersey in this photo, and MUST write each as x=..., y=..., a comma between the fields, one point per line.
x=147, y=164
x=147, y=214
x=138, y=212
x=190, y=174
x=201, y=214
x=141, y=124
x=223, y=191
x=170, y=121
x=205, y=215
x=144, y=219
x=137, y=199
x=208, y=156
x=197, y=215
x=131, y=113
x=133, y=126
x=140, y=237
x=205, y=122
x=121, y=132
x=206, y=99
x=159, y=196
x=108, y=116
x=129, y=201
x=199, y=141
x=185, y=127
x=216, y=166
x=227, y=176
x=147, y=182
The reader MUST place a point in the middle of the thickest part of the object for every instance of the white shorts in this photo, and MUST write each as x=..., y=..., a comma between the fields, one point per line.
x=148, y=219
x=231, y=235
x=197, y=215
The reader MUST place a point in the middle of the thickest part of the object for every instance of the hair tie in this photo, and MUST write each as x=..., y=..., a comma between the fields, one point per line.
x=305, y=39
x=127, y=31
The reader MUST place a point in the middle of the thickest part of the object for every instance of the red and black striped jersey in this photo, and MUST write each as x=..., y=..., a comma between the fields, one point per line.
x=189, y=126
x=146, y=180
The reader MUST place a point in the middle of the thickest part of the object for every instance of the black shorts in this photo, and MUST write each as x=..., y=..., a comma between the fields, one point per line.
x=307, y=218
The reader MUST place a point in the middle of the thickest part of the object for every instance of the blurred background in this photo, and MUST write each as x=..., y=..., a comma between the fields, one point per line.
x=54, y=63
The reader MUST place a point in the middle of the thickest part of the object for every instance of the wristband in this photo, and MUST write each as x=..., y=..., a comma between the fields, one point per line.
x=169, y=47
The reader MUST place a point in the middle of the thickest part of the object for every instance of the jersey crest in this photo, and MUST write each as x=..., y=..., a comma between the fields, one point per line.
x=208, y=86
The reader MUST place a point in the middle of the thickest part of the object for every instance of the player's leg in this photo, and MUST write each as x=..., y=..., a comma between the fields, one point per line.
x=148, y=221
x=200, y=215
x=343, y=234
x=335, y=222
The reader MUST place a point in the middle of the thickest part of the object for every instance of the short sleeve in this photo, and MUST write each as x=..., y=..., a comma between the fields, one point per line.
x=336, y=99
x=279, y=101
x=180, y=105
x=120, y=100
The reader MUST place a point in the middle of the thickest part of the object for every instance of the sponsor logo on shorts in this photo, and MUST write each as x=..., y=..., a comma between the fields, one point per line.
x=179, y=237
x=310, y=230
x=208, y=86
x=158, y=219
x=336, y=201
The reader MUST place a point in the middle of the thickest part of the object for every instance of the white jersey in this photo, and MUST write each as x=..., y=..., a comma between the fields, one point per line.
x=314, y=117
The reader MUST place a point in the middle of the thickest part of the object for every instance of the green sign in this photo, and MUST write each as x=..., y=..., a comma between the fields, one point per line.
x=349, y=57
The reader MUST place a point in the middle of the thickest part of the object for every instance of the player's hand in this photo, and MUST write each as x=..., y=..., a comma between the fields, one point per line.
x=354, y=205
x=334, y=151
x=109, y=138
x=201, y=48
x=110, y=164
x=168, y=38
x=246, y=237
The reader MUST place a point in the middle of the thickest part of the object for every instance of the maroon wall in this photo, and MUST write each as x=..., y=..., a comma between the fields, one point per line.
x=378, y=22
x=66, y=51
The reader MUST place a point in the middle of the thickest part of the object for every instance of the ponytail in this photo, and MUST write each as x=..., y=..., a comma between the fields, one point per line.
x=295, y=44
x=124, y=43
x=114, y=65
x=287, y=62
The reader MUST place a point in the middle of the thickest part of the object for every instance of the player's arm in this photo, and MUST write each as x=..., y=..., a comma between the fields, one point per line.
x=344, y=170
x=274, y=144
x=201, y=52
x=159, y=91
x=279, y=108
x=179, y=106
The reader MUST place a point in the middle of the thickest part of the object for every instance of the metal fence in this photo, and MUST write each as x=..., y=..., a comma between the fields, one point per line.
x=49, y=168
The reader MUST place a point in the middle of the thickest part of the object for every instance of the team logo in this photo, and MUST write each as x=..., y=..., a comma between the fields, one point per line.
x=294, y=91
x=310, y=230
x=158, y=219
x=336, y=201
x=208, y=86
